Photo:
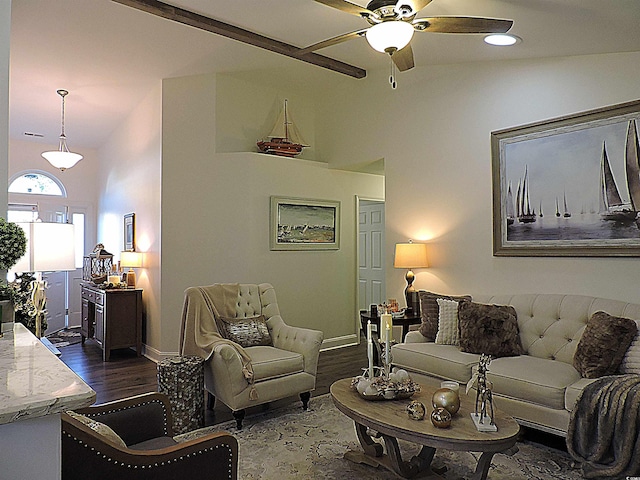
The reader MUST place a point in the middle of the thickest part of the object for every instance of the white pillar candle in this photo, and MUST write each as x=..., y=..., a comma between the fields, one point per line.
x=385, y=320
x=387, y=345
x=370, y=349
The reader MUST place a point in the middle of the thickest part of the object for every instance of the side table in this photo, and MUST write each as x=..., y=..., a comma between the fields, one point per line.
x=405, y=321
x=182, y=380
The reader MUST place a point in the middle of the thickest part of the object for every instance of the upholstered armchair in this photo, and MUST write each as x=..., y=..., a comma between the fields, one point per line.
x=285, y=367
x=132, y=439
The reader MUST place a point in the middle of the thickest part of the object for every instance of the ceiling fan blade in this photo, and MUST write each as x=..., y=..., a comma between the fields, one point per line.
x=332, y=41
x=462, y=25
x=347, y=7
x=403, y=58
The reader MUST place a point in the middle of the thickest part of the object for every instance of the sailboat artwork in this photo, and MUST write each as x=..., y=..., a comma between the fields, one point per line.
x=523, y=203
x=285, y=139
x=511, y=214
x=612, y=206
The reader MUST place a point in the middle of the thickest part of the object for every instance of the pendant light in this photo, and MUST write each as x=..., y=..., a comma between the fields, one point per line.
x=62, y=158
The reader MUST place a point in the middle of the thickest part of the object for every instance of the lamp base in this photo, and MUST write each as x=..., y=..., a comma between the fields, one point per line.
x=131, y=279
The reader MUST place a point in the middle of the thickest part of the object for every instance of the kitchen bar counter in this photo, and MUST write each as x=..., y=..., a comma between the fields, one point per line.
x=35, y=387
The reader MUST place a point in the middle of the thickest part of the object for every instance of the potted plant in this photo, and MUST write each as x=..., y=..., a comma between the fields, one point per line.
x=13, y=245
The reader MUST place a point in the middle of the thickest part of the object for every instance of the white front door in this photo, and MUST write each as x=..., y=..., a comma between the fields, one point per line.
x=371, y=283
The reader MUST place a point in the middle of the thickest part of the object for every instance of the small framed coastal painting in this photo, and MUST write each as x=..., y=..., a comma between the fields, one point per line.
x=304, y=224
x=569, y=186
x=129, y=232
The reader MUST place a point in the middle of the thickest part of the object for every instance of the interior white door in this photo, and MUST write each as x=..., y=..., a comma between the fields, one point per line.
x=371, y=284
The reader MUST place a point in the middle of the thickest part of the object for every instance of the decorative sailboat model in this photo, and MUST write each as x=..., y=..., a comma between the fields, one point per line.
x=285, y=139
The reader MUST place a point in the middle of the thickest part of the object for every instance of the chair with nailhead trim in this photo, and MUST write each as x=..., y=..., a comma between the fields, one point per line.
x=144, y=425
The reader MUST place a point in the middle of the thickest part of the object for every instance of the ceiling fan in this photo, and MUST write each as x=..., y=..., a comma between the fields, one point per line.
x=392, y=23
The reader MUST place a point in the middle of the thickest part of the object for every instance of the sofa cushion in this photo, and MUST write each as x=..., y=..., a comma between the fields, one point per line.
x=448, y=330
x=271, y=362
x=604, y=343
x=247, y=331
x=533, y=379
x=430, y=312
x=489, y=329
x=442, y=361
x=573, y=392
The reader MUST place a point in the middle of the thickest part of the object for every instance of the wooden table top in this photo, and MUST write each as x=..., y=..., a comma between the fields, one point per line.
x=389, y=417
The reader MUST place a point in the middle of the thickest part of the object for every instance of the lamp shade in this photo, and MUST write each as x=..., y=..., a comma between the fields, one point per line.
x=411, y=255
x=390, y=35
x=50, y=248
x=131, y=259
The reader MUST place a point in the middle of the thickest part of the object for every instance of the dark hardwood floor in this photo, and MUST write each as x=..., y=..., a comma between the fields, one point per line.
x=125, y=374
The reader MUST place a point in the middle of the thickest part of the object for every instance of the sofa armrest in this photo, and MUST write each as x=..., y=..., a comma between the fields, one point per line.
x=86, y=455
x=304, y=341
x=135, y=419
x=414, y=336
x=226, y=370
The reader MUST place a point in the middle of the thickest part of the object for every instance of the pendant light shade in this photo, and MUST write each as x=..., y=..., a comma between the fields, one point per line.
x=62, y=158
x=389, y=36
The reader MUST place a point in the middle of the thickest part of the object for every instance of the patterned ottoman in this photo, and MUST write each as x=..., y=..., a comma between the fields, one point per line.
x=182, y=380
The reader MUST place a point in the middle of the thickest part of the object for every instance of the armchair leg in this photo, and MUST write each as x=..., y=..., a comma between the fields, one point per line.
x=211, y=401
x=239, y=416
x=305, y=396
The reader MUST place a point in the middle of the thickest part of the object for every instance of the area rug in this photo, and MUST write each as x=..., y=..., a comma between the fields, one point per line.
x=62, y=338
x=288, y=443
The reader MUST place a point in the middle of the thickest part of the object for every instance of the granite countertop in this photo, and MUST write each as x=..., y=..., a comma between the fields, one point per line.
x=34, y=382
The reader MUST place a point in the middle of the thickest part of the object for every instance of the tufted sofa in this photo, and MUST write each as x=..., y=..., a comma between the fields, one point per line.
x=285, y=368
x=539, y=388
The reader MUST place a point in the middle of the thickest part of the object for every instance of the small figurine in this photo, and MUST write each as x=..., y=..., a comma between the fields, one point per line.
x=484, y=398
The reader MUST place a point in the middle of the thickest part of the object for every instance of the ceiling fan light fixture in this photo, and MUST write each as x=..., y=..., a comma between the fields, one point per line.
x=62, y=158
x=502, y=39
x=389, y=36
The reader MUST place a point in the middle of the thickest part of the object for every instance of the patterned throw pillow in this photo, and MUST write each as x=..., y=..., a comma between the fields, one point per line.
x=246, y=332
x=430, y=312
x=489, y=329
x=603, y=344
x=447, y=322
x=98, y=427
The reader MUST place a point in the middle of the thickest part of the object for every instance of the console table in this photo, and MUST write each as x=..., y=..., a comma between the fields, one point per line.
x=35, y=387
x=112, y=317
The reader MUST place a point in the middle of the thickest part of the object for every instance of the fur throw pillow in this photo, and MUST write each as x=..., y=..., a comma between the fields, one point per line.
x=431, y=312
x=489, y=329
x=604, y=342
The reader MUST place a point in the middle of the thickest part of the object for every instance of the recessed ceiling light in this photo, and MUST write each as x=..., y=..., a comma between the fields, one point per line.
x=502, y=39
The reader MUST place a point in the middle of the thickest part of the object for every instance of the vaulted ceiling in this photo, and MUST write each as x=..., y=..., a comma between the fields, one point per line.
x=109, y=55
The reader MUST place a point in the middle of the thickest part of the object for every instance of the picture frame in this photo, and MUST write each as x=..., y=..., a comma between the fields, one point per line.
x=304, y=224
x=129, y=232
x=568, y=186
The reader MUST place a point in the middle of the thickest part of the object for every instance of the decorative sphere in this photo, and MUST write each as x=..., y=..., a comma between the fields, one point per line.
x=441, y=418
x=447, y=399
x=416, y=410
x=362, y=386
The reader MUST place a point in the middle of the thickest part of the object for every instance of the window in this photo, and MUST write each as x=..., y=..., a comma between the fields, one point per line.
x=37, y=183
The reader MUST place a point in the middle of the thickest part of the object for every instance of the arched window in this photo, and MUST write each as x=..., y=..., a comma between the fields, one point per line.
x=35, y=182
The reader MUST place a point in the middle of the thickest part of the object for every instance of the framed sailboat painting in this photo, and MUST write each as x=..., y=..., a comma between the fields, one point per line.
x=569, y=186
x=304, y=224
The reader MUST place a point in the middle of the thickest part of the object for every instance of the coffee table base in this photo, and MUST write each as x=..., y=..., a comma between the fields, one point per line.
x=418, y=467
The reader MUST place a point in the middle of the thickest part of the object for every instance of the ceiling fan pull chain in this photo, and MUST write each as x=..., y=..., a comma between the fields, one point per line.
x=392, y=76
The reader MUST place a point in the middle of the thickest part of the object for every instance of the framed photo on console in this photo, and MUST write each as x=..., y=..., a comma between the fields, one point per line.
x=569, y=186
x=304, y=224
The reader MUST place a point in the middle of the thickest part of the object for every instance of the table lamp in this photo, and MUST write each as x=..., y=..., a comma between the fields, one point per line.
x=410, y=255
x=50, y=248
x=131, y=260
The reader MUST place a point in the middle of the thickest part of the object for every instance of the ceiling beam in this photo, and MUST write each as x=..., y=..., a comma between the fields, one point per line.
x=208, y=24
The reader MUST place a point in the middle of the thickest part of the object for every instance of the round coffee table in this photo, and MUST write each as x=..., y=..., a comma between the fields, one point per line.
x=390, y=420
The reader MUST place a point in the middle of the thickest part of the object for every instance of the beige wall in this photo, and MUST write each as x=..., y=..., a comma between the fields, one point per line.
x=434, y=134
x=5, y=28
x=215, y=213
x=129, y=178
